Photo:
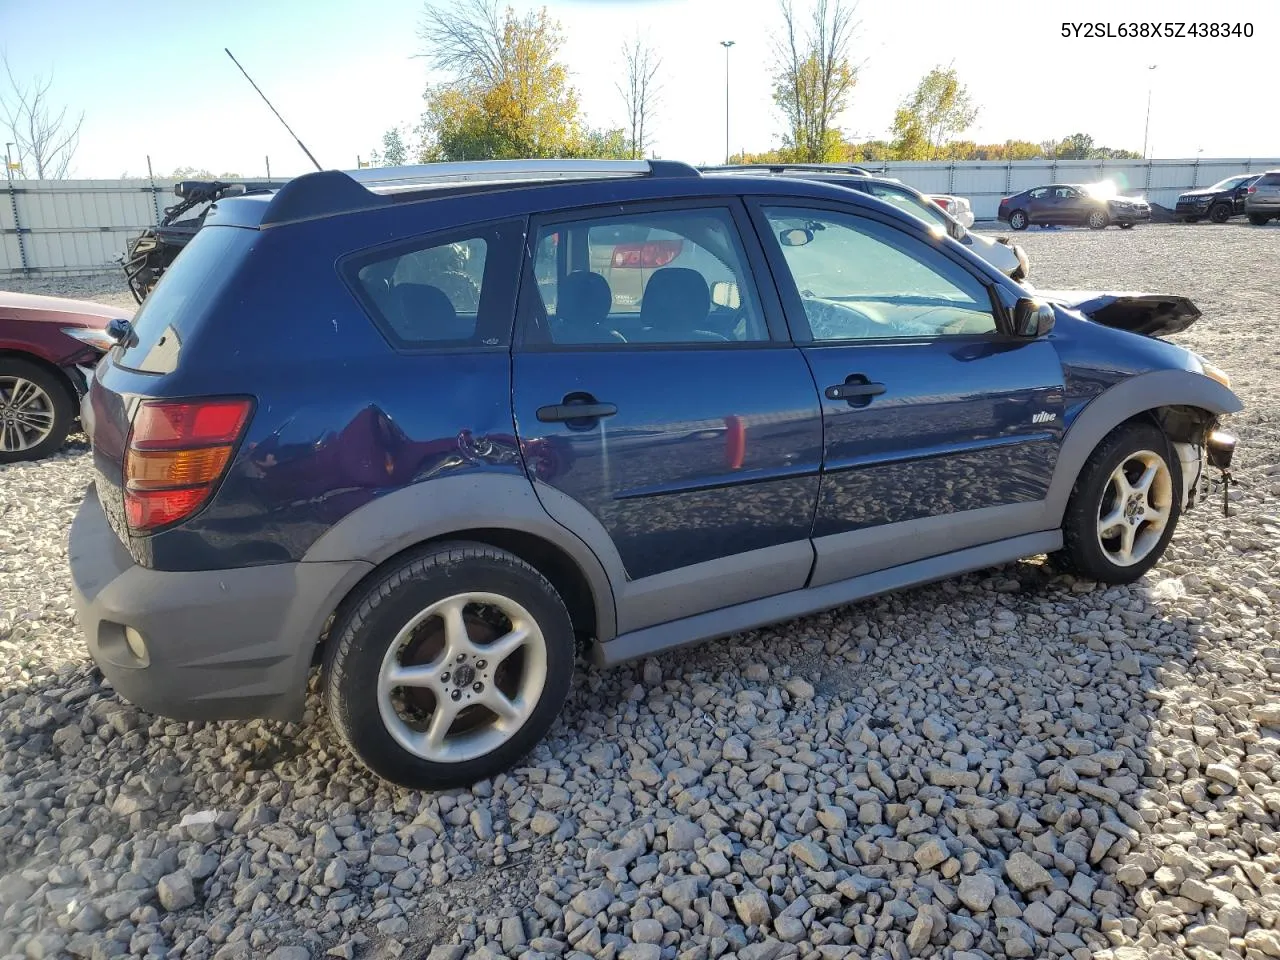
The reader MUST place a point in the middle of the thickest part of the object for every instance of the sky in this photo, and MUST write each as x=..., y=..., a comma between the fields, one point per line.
x=153, y=80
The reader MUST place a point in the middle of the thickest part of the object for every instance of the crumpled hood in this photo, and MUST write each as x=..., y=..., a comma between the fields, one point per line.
x=1150, y=314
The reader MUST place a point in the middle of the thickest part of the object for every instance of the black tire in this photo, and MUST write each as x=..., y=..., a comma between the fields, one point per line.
x=1018, y=220
x=1097, y=220
x=1082, y=551
x=362, y=635
x=1258, y=220
x=1190, y=219
x=57, y=400
x=1220, y=212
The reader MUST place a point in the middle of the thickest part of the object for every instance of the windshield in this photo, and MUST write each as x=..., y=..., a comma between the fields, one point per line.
x=1230, y=183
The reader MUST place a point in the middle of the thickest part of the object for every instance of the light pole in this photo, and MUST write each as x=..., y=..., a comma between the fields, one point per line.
x=726, y=44
x=8, y=161
x=1147, y=129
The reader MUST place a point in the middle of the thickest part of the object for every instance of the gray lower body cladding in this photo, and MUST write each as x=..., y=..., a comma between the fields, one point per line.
x=219, y=644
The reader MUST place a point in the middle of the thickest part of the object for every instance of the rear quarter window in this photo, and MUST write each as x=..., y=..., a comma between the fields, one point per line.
x=182, y=298
x=449, y=290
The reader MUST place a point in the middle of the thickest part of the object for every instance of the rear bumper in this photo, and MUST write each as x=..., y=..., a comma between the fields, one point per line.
x=1268, y=206
x=219, y=644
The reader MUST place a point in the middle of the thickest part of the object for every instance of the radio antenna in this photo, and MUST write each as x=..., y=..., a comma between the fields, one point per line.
x=274, y=110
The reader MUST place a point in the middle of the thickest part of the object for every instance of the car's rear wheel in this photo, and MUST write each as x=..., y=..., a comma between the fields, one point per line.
x=450, y=666
x=1018, y=220
x=36, y=411
x=1220, y=212
x=1097, y=220
x=1124, y=507
x=1258, y=220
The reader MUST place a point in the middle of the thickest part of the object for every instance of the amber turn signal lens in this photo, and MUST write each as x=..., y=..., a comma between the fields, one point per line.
x=156, y=470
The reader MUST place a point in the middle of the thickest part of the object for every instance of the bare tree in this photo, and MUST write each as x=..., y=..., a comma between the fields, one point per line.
x=45, y=136
x=813, y=76
x=640, y=90
x=465, y=39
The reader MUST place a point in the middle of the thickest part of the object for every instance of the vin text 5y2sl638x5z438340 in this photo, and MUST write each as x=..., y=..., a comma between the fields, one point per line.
x=1174, y=29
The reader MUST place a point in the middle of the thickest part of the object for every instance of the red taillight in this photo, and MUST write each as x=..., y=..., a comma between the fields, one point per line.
x=653, y=254
x=1252, y=190
x=941, y=201
x=178, y=450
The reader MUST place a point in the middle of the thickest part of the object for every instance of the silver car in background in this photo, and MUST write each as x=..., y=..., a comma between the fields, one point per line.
x=1262, y=202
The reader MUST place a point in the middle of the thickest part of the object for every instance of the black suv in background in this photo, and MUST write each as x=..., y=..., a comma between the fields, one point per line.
x=1219, y=203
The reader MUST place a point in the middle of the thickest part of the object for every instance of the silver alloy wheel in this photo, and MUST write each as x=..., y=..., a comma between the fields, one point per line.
x=1136, y=505
x=478, y=703
x=26, y=414
x=1018, y=220
x=1097, y=219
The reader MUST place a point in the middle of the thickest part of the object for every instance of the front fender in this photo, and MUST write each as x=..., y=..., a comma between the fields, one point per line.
x=446, y=505
x=1127, y=399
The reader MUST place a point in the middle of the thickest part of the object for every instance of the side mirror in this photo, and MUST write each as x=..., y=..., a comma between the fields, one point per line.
x=796, y=237
x=1031, y=318
x=958, y=231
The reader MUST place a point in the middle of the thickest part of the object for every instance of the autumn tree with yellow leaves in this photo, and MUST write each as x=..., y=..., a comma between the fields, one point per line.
x=507, y=94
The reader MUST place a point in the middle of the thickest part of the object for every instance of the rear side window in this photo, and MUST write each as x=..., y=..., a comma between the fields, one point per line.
x=450, y=291
x=180, y=301
x=1269, y=180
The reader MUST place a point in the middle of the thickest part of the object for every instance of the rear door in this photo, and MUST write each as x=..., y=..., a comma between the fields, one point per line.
x=661, y=409
x=1040, y=204
x=941, y=428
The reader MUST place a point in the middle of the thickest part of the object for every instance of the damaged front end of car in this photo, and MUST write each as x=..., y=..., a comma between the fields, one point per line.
x=1197, y=437
x=1148, y=314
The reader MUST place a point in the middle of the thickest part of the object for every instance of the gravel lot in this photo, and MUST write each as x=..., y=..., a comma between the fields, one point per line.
x=1010, y=764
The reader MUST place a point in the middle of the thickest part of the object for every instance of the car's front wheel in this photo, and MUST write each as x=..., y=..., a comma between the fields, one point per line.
x=1098, y=220
x=36, y=411
x=1258, y=220
x=1124, y=506
x=1220, y=212
x=1018, y=220
x=450, y=666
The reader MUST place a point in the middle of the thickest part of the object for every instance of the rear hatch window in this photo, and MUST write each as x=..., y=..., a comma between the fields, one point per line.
x=1270, y=180
x=170, y=313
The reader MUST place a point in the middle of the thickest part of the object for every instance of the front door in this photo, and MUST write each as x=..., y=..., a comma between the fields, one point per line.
x=941, y=427
x=663, y=413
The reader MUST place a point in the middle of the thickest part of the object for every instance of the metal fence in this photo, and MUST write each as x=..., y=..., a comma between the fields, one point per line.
x=74, y=226
x=82, y=226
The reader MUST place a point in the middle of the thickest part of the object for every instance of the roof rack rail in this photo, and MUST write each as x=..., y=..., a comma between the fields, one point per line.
x=779, y=167
x=330, y=192
x=429, y=175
